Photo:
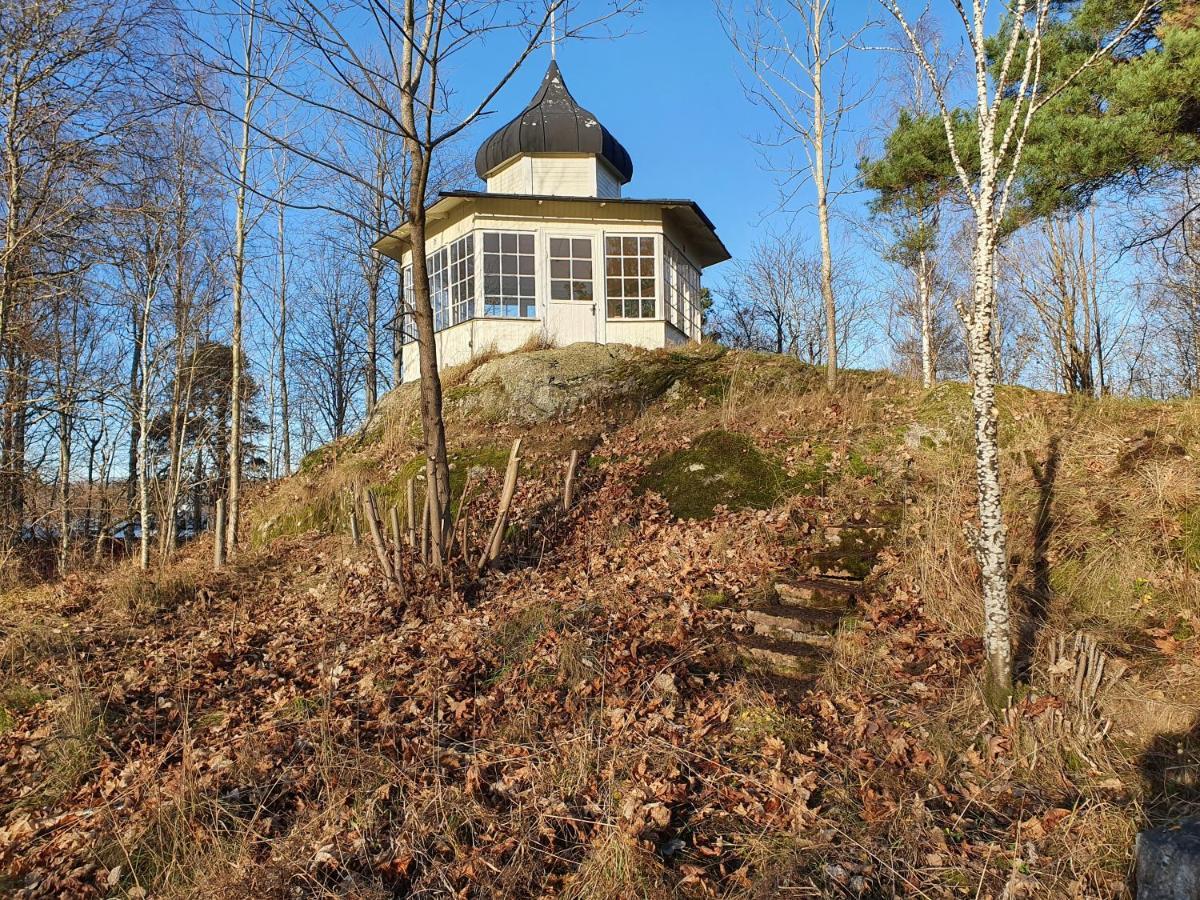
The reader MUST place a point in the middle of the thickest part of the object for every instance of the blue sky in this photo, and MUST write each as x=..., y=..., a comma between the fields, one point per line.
x=670, y=90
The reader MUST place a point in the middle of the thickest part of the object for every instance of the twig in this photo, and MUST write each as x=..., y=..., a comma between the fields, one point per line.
x=372, y=515
x=506, y=497
x=569, y=483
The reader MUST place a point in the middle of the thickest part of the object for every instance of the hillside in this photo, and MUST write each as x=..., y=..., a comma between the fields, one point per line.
x=592, y=719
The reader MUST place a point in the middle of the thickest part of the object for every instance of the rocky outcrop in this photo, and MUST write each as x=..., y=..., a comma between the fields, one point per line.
x=543, y=385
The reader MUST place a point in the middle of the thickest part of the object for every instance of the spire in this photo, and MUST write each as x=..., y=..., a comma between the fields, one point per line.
x=553, y=122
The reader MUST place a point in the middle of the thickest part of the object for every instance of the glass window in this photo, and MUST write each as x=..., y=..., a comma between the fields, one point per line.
x=570, y=269
x=681, y=291
x=629, y=277
x=509, y=287
x=408, y=331
x=451, y=285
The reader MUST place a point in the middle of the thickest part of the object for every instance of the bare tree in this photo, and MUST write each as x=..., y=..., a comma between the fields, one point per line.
x=64, y=79
x=1172, y=298
x=328, y=353
x=798, y=67
x=1006, y=102
x=395, y=58
x=1059, y=276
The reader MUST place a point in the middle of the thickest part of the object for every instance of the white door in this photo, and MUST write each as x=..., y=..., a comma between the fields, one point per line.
x=571, y=312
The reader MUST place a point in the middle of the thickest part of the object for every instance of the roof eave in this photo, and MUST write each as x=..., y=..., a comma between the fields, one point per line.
x=394, y=244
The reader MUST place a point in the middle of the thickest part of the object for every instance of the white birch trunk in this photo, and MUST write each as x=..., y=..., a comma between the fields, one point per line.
x=239, y=277
x=144, y=431
x=925, y=304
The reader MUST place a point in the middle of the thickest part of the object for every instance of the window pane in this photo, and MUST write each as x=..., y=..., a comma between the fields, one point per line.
x=582, y=248
x=491, y=285
x=648, y=265
x=647, y=287
x=647, y=246
x=582, y=269
x=614, y=290
x=648, y=309
x=583, y=290
x=631, y=266
x=525, y=265
x=491, y=242
x=527, y=287
x=560, y=290
x=491, y=264
x=613, y=266
x=509, y=285
x=526, y=243
x=612, y=245
x=528, y=310
x=630, y=246
x=614, y=307
x=560, y=268
x=508, y=243
x=560, y=247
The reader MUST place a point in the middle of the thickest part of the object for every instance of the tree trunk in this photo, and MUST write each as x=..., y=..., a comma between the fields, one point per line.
x=143, y=419
x=822, y=191
x=285, y=434
x=239, y=276
x=64, y=478
x=991, y=543
x=432, y=423
x=924, y=301
x=372, y=367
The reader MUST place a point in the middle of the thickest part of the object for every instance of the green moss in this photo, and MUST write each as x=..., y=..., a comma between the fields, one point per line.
x=719, y=469
x=860, y=468
x=316, y=459
x=14, y=700
x=489, y=456
x=949, y=401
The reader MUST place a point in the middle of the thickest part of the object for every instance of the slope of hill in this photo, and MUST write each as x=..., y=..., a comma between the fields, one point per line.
x=588, y=720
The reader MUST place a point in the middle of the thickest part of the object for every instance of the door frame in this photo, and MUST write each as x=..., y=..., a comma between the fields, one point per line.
x=596, y=238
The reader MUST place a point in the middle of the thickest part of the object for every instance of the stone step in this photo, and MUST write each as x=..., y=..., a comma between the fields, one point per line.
x=815, y=593
x=854, y=537
x=780, y=656
x=800, y=624
x=837, y=563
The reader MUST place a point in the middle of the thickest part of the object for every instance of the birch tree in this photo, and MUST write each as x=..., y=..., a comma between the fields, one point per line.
x=1008, y=94
x=798, y=72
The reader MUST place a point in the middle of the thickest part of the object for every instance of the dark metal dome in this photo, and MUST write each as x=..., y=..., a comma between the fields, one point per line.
x=553, y=123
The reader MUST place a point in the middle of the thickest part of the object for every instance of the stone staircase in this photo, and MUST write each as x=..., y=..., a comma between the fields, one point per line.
x=788, y=635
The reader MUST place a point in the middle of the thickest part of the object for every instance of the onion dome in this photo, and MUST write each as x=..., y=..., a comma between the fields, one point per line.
x=553, y=123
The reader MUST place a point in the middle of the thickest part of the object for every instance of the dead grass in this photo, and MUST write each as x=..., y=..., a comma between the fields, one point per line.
x=616, y=868
x=137, y=596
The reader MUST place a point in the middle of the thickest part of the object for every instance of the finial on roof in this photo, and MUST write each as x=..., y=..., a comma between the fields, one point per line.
x=554, y=31
x=553, y=122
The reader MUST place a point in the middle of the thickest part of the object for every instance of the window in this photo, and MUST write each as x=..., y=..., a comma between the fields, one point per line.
x=508, y=274
x=681, y=286
x=570, y=269
x=629, y=277
x=452, y=283
x=404, y=314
